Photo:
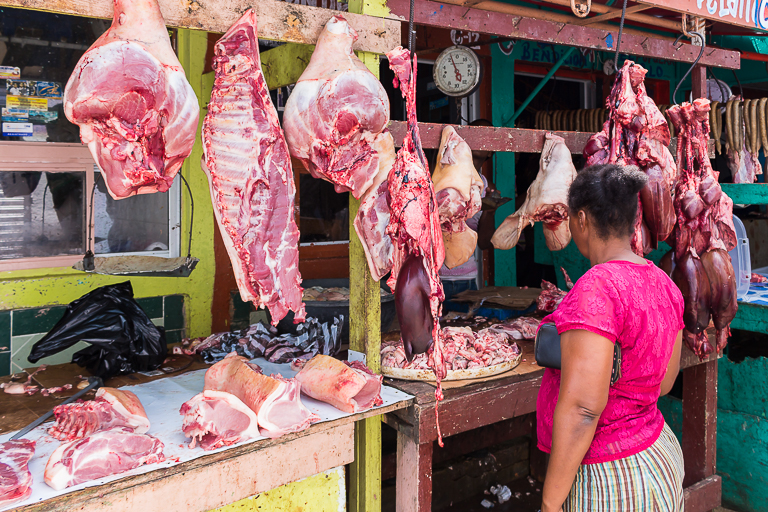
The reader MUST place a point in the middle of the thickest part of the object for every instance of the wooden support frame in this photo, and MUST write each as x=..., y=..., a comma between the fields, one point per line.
x=444, y=15
x=277, y=20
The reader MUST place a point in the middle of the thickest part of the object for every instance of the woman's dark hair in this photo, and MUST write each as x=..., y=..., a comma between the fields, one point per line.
x=608, y=193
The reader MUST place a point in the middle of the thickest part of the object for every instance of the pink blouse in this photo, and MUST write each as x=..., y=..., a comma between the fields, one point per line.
x=640, y=308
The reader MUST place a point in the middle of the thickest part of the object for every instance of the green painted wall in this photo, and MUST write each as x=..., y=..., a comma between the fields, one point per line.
x=51, y=286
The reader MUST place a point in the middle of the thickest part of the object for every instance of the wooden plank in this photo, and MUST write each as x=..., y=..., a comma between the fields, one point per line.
x=414, y=475
x=705, y=495
x=645, y=19
x=284, y=65
x=688, y=358
x=279, y=21
x=610, y=15
x=700, y=422
x=456, y=17
x=218, y=479
x=742, y=13
x=746, y=193
x=491, y=138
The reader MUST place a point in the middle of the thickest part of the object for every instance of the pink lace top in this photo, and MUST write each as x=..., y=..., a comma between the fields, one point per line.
x=639, y=307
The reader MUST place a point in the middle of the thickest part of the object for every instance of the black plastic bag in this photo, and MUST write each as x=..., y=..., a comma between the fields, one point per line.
x=123, y=339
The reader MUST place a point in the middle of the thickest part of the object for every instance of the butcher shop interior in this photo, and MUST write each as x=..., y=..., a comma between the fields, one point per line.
x=388, y=255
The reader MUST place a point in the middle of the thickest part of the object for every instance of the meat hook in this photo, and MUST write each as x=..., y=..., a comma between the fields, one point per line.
x=701, y=52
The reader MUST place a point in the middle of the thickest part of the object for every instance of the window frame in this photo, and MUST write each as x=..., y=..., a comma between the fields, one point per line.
x=72, y=157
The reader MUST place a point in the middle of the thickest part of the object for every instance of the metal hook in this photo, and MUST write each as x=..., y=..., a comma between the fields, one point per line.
x=701, y=52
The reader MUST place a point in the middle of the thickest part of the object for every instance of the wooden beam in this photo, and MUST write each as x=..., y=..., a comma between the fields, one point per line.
x=284, y=65
x=610, y=15
x=414, y=475
x=700, y=422
x=490, y=138
x=645, y=19
x=705, y=495
x=279, y=21
x=456, y=17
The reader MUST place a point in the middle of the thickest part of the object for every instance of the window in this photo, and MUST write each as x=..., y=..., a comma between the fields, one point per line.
x=46, y=176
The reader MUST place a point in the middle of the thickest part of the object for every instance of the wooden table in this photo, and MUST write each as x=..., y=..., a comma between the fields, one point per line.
x=514, y=398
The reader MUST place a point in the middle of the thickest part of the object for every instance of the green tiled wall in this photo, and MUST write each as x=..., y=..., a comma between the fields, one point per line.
x=21, y=328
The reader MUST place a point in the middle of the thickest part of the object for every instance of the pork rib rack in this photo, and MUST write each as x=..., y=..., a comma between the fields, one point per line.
x=335, y=122
x=136, y=111
x=249, y=169
x=636, y=133
x=704, y=233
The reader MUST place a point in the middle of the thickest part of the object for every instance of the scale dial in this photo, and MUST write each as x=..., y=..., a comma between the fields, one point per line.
x=457, y=71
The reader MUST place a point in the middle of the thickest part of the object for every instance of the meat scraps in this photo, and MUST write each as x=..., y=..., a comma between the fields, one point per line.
x=350, y=387
x=214, y=419
x=458, y=189
x=546, y=200
x=101, y=454
x=335, y=122
x=111, y=408
x=275, y=400
x=550, y=296
x=249, y=169
x=758, y=279
x=136, y=111
x=23, y=388
x=704, y=233
x=15, y=477
x=521, y=328
x=636, y=133
x=463, y=349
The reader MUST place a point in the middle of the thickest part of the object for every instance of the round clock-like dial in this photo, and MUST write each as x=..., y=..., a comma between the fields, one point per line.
x=457, y=71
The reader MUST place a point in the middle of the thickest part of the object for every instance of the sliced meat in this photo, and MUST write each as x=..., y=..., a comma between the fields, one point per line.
x=101, y=454
x=111, y=408
x=348, y=387
x=15, y=477
x=249, y=170
x=214, y=419
x=136, y=111
x=546, y=200
x=276, y=401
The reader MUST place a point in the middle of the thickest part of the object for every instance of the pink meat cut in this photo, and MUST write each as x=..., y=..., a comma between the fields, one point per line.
x=111, y=408
x=335, y=122
x=15, y=477
x=135, y=108
x=275, y=400
x=249, y=170
x=215, y=419
x=546, y=200
x=104, y=453
x=349, y=387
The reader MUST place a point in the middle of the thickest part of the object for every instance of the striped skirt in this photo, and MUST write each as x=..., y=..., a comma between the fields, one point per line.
x=650, y=481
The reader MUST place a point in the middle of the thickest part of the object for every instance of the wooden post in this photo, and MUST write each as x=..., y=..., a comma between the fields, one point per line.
x=414, y=475
x=365, y=328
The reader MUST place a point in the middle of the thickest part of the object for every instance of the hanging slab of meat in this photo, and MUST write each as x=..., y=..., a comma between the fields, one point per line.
x=15, y=477
x=111, y=408
x=249, y=170
x=458, y=189
x=214, y=419
x=704, y=234
x=637, y=133
x=415, y=230
x=136, y=111
x=104, y=453
x=546, y=200
x=743, y=127
x=336, y=112
x=349, y=387
x=275, y=400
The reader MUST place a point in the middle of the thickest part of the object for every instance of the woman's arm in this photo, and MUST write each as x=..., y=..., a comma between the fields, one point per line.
x=587, y=361
x=673, y=367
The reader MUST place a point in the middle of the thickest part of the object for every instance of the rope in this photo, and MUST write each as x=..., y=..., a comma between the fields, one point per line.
x=618, y=39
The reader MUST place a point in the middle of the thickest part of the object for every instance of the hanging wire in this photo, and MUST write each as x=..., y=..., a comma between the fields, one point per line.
x=701, y=52
x=191, y=214
x=719, y=84
x=741, y=89
x=618, y=39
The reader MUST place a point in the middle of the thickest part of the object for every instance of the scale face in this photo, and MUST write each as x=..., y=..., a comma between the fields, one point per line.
x=457, y=71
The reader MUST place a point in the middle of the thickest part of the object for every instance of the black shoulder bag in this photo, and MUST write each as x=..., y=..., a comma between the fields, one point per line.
x=548, y=355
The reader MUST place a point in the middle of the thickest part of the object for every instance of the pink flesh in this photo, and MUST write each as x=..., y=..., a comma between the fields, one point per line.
x=15, y=477
x=111, y=408
x=275, y=401
x=347, y=388
x=214, y=419
x=249, y=170
x=101, y=454
x=131, y=99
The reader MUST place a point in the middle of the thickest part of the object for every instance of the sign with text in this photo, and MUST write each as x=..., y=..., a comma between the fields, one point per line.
x=752, y=14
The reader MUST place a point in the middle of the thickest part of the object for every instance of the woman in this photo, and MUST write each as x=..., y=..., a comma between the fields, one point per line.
x=610, y=449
